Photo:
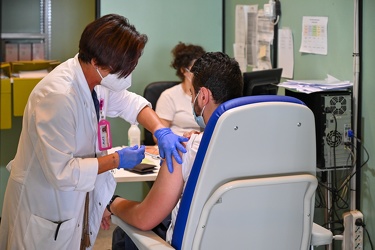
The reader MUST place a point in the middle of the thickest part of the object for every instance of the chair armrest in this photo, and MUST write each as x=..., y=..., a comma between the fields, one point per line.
x=320, y=236
x=142, y=239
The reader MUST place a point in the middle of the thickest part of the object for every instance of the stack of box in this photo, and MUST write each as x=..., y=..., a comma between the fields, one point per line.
x=24, y=52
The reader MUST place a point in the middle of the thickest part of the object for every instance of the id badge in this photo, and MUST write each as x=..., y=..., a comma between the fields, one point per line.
x=104, y=135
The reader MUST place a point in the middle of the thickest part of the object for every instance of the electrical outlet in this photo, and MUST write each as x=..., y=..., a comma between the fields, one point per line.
x=353, y=230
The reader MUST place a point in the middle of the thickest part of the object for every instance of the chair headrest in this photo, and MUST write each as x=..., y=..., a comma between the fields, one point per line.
x=245, y=100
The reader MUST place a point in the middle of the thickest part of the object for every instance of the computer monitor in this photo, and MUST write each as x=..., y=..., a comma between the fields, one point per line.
x=261, y=82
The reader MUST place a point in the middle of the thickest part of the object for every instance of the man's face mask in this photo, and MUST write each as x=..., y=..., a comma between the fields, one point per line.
x=113, y=82
x=198, y=119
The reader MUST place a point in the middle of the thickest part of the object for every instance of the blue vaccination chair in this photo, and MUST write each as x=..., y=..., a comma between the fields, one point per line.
x=252, y=185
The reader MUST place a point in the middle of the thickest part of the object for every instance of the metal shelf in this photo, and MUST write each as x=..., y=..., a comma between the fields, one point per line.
x=45, y=15
x=9, y=36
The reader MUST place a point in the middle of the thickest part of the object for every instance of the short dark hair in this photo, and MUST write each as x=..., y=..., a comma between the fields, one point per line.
x=114, y=43
x=184, y=55
x=220, y=74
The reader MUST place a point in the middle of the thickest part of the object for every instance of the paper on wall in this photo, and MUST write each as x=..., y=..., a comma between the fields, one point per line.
x=285, y=52
x=314, y=35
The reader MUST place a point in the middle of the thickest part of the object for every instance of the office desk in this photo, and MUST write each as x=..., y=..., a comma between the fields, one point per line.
x=122, y=175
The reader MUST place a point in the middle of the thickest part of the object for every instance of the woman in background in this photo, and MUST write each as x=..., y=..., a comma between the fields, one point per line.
x=174, y=104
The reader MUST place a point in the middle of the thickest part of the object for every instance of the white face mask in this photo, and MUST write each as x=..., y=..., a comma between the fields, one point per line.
x=114, y=83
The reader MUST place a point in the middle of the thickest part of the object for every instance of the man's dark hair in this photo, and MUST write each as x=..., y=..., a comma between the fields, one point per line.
x=220, y=74
x=114, y=43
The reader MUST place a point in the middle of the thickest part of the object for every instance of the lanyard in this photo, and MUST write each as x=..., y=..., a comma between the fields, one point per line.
x=104, y=130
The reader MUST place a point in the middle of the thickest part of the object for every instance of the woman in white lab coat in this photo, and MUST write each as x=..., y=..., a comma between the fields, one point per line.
x=60, y=158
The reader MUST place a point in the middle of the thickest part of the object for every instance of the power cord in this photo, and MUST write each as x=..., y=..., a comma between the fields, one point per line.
x=364, y=163
x=359, y=223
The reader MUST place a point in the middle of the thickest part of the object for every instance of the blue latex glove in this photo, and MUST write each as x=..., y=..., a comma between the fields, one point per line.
x=169, y=145
x=129, y=157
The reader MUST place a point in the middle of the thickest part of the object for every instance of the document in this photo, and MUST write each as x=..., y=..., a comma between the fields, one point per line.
x=264, y=41
x=285, y=52
x=245, y=35
x=314, y=35
x=240, y=55
x=311, y=86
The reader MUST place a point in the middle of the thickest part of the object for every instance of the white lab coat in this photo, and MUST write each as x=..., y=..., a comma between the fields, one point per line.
x=55, y=163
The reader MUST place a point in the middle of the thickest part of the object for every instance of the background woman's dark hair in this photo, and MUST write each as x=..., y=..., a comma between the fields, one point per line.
x=184, y=55
x=220, y=74
x=114, y=43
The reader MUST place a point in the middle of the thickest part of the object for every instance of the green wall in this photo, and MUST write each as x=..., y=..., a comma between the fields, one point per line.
x=69, y=18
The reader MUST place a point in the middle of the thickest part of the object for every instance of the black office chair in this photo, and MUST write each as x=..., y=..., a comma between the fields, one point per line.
x=152, y=93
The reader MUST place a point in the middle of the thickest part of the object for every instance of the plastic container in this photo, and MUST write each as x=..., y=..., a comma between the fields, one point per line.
x=134, y=136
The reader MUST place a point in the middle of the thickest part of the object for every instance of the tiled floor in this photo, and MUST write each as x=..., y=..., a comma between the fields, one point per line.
x=104, y=240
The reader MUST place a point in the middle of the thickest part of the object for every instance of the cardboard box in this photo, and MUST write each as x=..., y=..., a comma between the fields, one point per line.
x=11, y=52
x=38, y=51
x=24, y=51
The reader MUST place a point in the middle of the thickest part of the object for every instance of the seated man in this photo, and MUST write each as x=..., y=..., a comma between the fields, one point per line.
x=216, y=79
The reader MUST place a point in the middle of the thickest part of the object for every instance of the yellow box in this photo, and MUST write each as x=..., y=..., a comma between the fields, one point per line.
x=5, y=104
x=49, y=65
x=5, y=70
x=22, y=88
x=5, y=97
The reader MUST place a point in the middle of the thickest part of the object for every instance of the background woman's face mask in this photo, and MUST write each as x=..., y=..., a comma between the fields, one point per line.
x=113, y=82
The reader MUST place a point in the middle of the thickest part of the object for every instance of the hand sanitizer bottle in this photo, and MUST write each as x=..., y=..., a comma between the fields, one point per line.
x=134, y=136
